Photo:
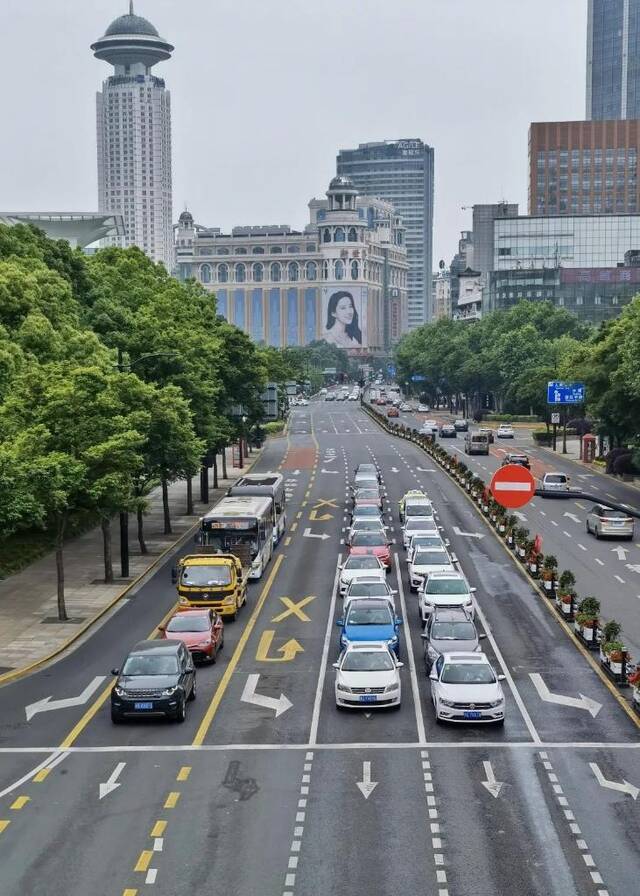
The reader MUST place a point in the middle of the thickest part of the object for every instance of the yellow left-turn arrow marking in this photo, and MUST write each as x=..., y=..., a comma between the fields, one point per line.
x=288, y=650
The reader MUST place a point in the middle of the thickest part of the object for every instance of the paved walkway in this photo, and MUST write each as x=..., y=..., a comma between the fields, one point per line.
x=29, y=627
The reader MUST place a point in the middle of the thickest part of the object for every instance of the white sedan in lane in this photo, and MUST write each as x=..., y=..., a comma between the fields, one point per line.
x=418, y=526
x=426, y=561
x=367, y=675
x=466, y=688
x=358, y=567
x=445, y=589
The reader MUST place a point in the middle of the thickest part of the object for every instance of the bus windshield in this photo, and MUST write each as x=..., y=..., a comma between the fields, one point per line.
x=224, y=539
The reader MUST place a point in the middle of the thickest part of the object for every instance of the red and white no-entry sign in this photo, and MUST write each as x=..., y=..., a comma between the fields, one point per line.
x=512, y=486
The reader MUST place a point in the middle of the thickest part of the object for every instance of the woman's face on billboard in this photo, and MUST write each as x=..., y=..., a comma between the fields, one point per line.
x=344, y=311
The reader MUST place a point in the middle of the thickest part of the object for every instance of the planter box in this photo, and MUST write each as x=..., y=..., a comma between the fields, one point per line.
x=521, y=552
x=502, y=528
x=587, y=636
x=533, y=569
x=635, y=698
x=616, y=671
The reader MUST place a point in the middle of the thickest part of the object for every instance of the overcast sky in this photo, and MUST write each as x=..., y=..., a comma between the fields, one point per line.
x=264, y=92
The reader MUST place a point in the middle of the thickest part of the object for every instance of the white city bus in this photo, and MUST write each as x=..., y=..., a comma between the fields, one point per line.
x=241, y=520
x=270, y=485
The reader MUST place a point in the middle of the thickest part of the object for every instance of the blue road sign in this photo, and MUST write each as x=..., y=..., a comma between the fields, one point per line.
x=565, y=393
x=391, y=369
x=418, y=378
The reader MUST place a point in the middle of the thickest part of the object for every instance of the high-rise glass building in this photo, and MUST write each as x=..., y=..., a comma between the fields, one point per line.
x=613, y=59
x=134, y=136
x=402, y=171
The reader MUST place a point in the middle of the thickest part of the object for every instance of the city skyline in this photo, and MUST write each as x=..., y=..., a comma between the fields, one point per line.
x=423, y=94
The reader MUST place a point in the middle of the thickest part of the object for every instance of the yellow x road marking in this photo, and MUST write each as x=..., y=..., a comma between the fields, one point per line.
x=294, y=608
x=320, y=502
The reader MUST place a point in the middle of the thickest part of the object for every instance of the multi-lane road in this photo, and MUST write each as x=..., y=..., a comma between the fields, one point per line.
x=260, y=797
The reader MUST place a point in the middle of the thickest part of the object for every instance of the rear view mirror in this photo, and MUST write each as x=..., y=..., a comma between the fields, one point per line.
x=433, y=675
x=398, y=621
x=424, y=636
x=502, y=677
x=399, y=665
x=115, y=671
x=340, y=622
x=162, y=628
x=481, y=637
x=336, y=665
x=473, y=590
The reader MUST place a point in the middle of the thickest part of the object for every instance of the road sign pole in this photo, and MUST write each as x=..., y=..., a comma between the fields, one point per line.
x=555, y=432
x=564, y=430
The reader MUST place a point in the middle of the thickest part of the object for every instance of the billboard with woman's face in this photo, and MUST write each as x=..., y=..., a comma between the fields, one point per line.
x=344, y=315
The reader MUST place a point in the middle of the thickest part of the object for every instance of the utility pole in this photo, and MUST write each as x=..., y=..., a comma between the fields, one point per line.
x=124, y=515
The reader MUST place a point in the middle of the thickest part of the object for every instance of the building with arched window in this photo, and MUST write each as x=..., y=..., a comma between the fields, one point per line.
x=343, y=279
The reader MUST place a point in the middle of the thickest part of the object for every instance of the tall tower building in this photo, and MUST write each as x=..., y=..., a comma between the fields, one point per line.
x=134, y=136
x=613, y=59
x=401, y=171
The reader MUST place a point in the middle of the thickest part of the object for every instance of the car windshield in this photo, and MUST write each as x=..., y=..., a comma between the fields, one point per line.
x=366, y=482
x=366, y=468
x=206, y=575
x=421, y=525
x=186, y=623
x=358, y=589
x=426, y=541
x=453, y=631
x=608, y=513
x=555, y=478
x=418, y=510
x=446, y=586
x=369, y=616
x=148, y=664
x=371, y=512
x=362, y=563
x=467, y=673
x=367, y=661
x=369, y=539
x=366, y=493
x=431, y=558
x=368, y=524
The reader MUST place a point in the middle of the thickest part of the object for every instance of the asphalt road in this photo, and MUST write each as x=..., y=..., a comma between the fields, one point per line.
x=237, y=800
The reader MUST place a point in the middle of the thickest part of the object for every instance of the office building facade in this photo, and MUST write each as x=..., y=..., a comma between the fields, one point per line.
x=402, y=172
x=613, y=59
x=343, y=279
x=483, y=232
x=134, y=137
x=441, y=291
x=584, y=167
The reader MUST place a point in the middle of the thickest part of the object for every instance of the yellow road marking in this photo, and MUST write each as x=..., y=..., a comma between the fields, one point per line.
x=20, y=803
x=288, y=650
x=298, y=514
x=320, y=502
x=578, y=504
x=130, y=892
x=144, y=861
x=201, y=733
x=304, y=504
x=41, y=775
x=287, y=541
x=158, y=829
x=293, y=527
x=4, y=825
x=307, y=493
x=172, y=800
x=184, y=773
x=313, y=515
x=294, y=608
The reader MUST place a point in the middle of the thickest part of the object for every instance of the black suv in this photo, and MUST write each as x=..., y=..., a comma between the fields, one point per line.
x=157, y=678
x=461, y=425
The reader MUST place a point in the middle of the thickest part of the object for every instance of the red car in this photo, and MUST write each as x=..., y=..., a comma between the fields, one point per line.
x=372, y=543
x=202, y=632
x=392, y=411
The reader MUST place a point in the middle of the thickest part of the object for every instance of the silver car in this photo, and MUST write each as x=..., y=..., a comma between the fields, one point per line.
x=603, y=521
x=555, y=485
x=449, y=631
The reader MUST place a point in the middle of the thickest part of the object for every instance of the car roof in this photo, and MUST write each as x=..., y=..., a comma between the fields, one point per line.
x=371, y=580
x=367, y=645
x=373, y=602
x=190, y=611
x=466, y=658
x=450, y=614
x=452, y=574
x=158, y=647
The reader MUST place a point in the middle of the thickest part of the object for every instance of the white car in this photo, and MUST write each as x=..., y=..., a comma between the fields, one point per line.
x=367, y=675
x=555, y=485
x=358, y=567
x=466, y=688
x=505, y=431
x=430, y=426
x=404, y=407
x=429, y=540
x=426, y=561
x=416, y=525
x=303, y=402
x=445, y=589
x=423, y=409
x=367, y=587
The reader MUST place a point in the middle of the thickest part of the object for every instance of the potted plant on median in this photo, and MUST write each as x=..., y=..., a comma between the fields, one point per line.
x=566, y=595
x=521, y=536
x=613, y=654
x=634, y=680
x=501, y=519
x=586, y=622
x=511, y=524
x=534, y=558
x=549, y=574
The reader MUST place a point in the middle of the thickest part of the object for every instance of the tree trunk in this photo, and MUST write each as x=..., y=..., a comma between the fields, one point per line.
x=189, y=495
x=215, y=470
x=105, y=525
x=141, y=541
x=60, y=527
x=165, y=507
x=224, y=463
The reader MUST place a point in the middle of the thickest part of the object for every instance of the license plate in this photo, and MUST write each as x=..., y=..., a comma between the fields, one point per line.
x=368, y=698
x=616, y=524
x=472, y=714
x=143, y=705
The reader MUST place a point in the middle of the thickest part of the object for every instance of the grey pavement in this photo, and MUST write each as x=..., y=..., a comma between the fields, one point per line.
x=29, y=626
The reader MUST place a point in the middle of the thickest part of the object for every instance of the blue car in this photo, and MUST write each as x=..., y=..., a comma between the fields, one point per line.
x=370, y=620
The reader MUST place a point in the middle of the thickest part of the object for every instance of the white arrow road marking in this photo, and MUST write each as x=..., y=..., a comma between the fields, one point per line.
x=309, y=534
x=421, y=470
x=330, y=460
x=395, y=470
x=295, y=472
x=520, y=516
x=47, y=704
x=572, y=516
x=329, y=471
x=494, y=787
x=634, y=567
x=112, y=782
x=280, y=705
x=467, y=534
x=625, y=787
x=620, y=551
x=366, y=786
x=592, y=707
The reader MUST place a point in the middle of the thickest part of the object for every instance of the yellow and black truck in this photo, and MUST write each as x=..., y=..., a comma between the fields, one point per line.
x=208, y=579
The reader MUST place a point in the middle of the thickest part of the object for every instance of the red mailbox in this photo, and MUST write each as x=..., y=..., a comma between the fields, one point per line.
x=589, y=449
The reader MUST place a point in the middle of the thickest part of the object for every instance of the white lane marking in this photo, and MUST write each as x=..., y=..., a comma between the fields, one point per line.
x=553, y=523
x=568, y=534
x=152, y=873
x=598, y=560
x=514, y=690
x=582, y=547
x=415, y=690
x=315, y=716
x=48, y=763
x=622, y=581
x=158, y=844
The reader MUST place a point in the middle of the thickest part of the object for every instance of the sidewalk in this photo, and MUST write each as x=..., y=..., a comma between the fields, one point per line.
x=573, y=455
x=29, y=627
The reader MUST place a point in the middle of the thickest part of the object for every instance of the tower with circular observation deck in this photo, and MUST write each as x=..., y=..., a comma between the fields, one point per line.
x=134, y=136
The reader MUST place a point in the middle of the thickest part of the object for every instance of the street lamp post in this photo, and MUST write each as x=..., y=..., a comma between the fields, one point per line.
x=244, y=420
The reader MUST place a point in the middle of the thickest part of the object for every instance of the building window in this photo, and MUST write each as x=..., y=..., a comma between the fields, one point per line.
x=293, y=249
x=205, y=273
x=326, y=235
x=276, y=272
x=353, y=235
x=339, y=236
x=257, y=250
x=241, y=273
x=241, y=251
x=354, y=270
x=258, y=272
x=223, y=273
x=339, y=270
x=325, y=270
x=276, y=250
x=311, y=247
x=312, y=270
x=223, y=251
x=294, y=273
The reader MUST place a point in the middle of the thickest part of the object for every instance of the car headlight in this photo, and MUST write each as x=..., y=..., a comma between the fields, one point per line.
x=230, y=600
x=496, y=702
x=343, y=687
x=120, y=691
x=432, y=653
x=391, y=687
x=426, y=599
x=392, y=641
x=205, y=643
x=447, y=702
x=169, y=692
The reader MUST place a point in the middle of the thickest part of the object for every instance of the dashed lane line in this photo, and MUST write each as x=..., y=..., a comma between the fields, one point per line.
x=298, y=831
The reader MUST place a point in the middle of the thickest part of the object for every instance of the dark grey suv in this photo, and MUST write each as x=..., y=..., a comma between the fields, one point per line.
x=449, y=631
x=157, y=678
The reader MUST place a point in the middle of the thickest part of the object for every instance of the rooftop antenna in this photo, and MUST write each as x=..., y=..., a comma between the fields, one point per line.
x=131, y=8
